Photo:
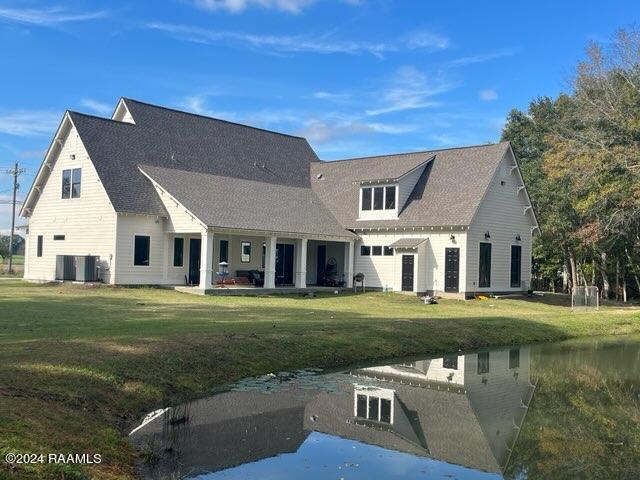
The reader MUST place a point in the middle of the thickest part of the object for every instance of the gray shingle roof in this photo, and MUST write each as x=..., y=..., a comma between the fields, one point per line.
x=407, y=242
x=247, y=204
x=173, y=139
x=448, y=192
x=385, y=167
x=267, y=180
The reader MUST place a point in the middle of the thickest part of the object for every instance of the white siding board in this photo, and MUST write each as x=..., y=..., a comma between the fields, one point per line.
x=407, y=184
x=385, y=271
x=126, y=272
x=502, y=214
x=88, y=223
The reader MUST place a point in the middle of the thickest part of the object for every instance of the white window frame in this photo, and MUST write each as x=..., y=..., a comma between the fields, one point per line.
x=242, y=244
x=376, y=392
x=71, y=197
x=133, y=249
x=369, y=214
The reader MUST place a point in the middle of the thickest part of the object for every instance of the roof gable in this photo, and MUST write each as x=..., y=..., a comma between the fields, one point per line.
x=448, y=192
x=173, y=139
x=248, y=204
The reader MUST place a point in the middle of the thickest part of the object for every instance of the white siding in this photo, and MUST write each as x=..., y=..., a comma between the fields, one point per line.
x=180, y=219
x=502, y=215
x=126, y=272
x=385, y=271
x=88, y=223
x=407, y=184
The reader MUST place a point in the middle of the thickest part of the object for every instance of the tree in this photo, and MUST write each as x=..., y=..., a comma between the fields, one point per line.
x=580, y=156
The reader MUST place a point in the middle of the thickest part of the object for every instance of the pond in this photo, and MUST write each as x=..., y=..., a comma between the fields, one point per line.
x=564, y=410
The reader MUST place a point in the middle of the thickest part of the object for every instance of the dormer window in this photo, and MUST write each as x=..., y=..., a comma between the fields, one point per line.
x=390, y=198
x=379, y=198
x=366, y=199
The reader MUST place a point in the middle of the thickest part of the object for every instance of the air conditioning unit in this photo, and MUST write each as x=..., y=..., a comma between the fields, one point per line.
x=87, y=268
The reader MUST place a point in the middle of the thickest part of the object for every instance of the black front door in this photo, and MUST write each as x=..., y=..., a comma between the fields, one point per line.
x=321, y=264
x=194, y=261
x=284, y=264
x=407, y=273
x=451, y=269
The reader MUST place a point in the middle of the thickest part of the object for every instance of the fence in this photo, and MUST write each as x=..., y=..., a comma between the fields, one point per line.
x=585, y=298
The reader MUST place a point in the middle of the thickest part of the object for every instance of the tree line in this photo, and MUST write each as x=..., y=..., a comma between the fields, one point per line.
x=580, y=158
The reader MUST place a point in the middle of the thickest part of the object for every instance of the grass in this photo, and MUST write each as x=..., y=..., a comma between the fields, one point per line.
x=79, y=365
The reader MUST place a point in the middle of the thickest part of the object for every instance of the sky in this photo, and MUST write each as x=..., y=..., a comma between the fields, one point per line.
x=355, y=77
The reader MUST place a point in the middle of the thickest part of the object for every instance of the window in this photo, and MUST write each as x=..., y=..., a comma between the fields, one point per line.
x=71, y=181
x=40, y=241
x=75, y=183
x=485, y=265
x=224, y=251
x=66, y=184
x=374, y=408
x=390, y=198
x=178, y=252
x=365, y=250
x=58, y=237
x=514, y=358
x=366, y=199
x=361, y=406
x=385, y=410
x=378, y=196
x=516, y=263
x=450, y=362
x=376, y=251
x=245, y=252
x=371, y=407
x=388, y=251
x=141, y=248
x=264, y=253
x=483, y=363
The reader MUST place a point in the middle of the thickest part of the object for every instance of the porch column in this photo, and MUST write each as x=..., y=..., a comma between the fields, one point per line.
x=206, y=260
x=301, y=263
x=348, y=263
x=270, y=263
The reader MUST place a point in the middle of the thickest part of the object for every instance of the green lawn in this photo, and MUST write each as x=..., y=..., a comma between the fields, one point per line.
x=79, y=365
x=17, y=260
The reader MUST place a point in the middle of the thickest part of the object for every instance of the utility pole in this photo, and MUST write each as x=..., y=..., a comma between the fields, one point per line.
x=15, y=173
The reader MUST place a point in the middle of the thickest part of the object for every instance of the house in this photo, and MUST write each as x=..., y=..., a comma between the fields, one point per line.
x=462, y=409
x=157, y=196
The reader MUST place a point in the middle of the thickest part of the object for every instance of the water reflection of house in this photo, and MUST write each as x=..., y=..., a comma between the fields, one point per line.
x=463, y=409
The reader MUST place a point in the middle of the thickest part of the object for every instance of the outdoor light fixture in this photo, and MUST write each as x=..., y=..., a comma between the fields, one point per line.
x=452, y=238
x=487, y=236
x=518, y=238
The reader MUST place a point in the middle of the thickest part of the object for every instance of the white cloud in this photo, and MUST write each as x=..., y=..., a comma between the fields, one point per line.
x=427, y=41
x=289, y=43
x=481, y=58
x=237, y=6
x=488, y=94
x=27, y=123
x=47, y=16
x=322, y=131
x=97, y=106
x=410, y=89
x=331, y=96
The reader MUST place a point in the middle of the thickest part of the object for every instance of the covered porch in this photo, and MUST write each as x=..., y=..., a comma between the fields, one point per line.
x=237, y=262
